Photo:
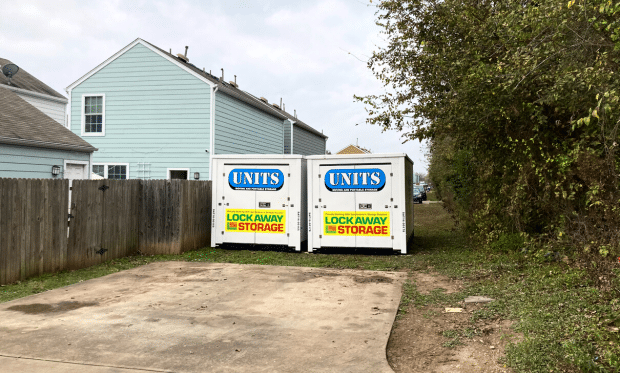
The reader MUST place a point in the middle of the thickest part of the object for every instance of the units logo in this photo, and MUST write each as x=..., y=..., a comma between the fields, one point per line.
x=256, y=179
x=355, y=180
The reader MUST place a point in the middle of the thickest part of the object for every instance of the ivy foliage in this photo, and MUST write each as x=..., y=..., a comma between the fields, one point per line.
x=519, y=101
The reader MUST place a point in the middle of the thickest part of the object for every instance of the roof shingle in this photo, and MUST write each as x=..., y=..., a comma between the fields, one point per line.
x=22, y=123
x=26, y=81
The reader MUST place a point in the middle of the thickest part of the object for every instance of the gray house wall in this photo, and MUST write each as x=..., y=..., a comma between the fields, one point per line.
x=243, y=129
x=307, y=143
x=52, y=107
x=35, y=163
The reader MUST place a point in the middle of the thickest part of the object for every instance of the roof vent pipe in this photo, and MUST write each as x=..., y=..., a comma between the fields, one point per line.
x=222, y=74
x=295, y=111
x=186, y=48
x=280, y=101
x=235, y=79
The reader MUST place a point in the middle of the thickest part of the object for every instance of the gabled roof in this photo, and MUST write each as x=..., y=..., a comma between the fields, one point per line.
x=209, y=79
x=353, y=149
x=23, y=124
x=23, y=80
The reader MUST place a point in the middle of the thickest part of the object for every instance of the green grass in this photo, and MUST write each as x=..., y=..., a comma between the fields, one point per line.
x=566, y=323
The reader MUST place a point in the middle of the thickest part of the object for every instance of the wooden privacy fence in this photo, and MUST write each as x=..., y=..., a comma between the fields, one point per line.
x=109, y=219
x=33, y=227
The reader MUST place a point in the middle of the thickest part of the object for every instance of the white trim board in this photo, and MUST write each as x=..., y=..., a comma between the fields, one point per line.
x=68, y=110
x=128, y=47
x=85, y=163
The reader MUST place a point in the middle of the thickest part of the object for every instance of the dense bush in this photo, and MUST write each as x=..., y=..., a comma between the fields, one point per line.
x=519, y=103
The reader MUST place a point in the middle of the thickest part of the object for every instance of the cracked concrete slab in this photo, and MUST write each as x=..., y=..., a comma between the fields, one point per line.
x=207, y=317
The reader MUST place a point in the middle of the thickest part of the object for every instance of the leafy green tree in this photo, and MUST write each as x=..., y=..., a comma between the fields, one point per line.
x=519, y=101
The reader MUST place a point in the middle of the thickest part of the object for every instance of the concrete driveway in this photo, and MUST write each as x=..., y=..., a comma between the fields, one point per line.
x=203, y=317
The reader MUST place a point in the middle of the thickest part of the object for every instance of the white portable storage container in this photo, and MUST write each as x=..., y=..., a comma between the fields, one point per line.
x=259, y=199
x=363, y=200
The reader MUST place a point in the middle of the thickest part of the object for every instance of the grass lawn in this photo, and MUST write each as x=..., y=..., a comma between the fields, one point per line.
x=567, y=324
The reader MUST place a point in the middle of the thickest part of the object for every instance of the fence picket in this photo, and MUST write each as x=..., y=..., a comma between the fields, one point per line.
x=150, y=216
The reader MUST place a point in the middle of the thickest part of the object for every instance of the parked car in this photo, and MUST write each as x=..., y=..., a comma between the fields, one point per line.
x=419, y=194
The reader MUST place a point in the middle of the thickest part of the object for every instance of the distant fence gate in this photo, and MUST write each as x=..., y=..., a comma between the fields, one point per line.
x=108, y=219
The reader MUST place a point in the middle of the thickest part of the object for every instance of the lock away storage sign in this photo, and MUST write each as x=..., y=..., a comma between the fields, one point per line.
x=255, y=221
x=361, y=223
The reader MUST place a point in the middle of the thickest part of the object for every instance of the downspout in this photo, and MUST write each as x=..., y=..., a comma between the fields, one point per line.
x=292, y=136
x=212, y=134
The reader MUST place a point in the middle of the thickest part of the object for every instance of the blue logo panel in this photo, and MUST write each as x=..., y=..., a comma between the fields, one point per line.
x=360, y=180
x=256, y=179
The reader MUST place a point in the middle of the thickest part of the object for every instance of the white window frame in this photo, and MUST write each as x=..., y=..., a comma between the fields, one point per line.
x=178, y=169
x=105, y=168
x=83, y=115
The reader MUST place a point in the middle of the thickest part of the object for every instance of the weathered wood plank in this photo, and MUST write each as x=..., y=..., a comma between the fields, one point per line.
x=4, y=218
x=153, y=216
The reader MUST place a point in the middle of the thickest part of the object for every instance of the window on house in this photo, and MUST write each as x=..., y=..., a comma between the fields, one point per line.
x=93, y=115
x=99, y=170
x=112, y=171
x=117, y=172
x=182, y=173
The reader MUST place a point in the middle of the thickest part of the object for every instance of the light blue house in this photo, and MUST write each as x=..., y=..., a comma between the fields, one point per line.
x=153, y=115
x=34, y=142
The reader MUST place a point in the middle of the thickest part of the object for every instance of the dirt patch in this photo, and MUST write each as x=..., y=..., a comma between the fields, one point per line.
x=373, y=279
x=428, y=339
x=40, y=308
x=426, y=282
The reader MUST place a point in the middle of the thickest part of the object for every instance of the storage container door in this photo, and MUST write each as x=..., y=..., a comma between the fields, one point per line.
x=272, y=205
x=336, y=206
x=238, y=201
x=374, y=206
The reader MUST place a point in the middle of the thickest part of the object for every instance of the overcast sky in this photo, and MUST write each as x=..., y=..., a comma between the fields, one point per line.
x=312, y=54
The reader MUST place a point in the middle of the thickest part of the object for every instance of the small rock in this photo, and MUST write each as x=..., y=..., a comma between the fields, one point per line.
x=492, y=347
x=478, y=299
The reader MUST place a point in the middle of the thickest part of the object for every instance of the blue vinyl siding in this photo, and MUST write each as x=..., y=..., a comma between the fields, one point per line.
x=34, y=163
x=155, y=113
x=243, y=129
x=287, y=137
x=307, y=143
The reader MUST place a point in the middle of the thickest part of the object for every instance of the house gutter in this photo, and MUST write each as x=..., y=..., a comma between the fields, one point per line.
x=292, y=128
x=45, y=144
x=212, y=133
x=35, y=94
